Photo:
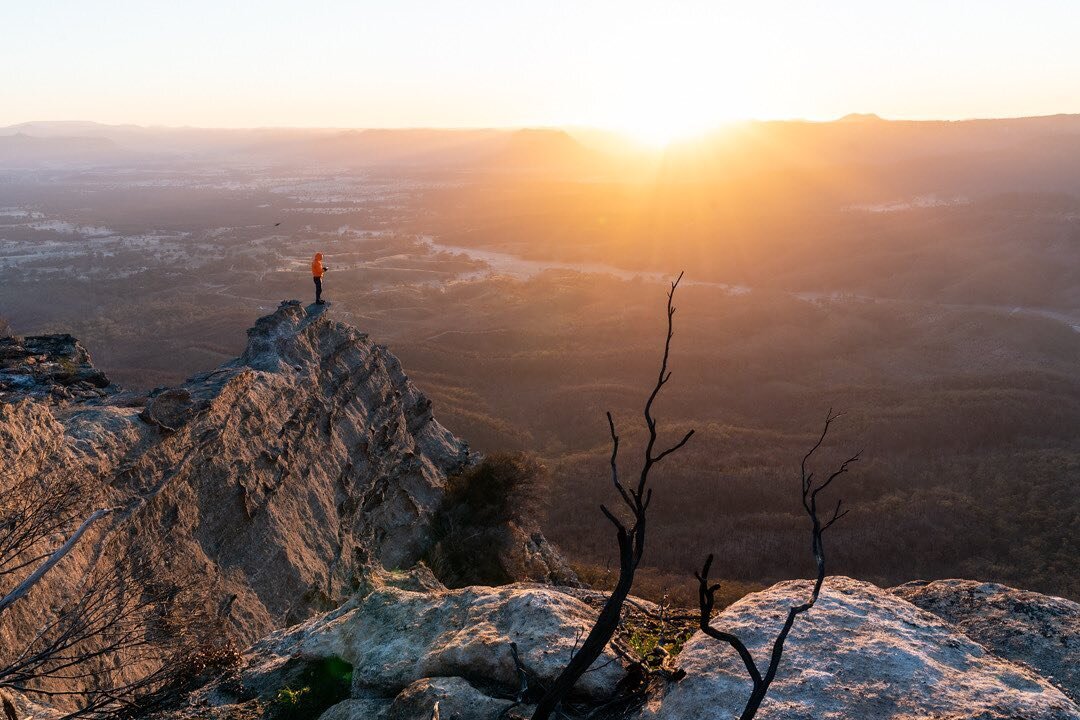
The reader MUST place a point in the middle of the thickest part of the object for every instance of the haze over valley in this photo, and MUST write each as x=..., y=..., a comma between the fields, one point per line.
x=919, y=276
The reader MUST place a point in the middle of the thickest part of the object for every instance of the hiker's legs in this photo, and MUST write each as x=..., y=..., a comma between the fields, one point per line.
x=318, y=290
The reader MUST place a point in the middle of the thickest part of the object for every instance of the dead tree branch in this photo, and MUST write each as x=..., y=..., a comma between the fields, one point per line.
x=24, y=587
x=630, y=536
x=707, y=592
x=127, y=605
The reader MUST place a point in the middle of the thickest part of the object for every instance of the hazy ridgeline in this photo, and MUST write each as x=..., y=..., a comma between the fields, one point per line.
x=930, y=295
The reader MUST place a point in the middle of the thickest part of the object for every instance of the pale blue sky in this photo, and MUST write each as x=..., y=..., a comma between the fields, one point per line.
x=632, y=65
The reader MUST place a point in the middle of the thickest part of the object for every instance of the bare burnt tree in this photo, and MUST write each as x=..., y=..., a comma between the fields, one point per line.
x=630, y=535
x=706, y=592
x=118, y=630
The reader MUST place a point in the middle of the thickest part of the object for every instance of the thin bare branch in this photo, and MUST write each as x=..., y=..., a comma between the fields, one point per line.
x=615, y=465
x=674, y=447
x=631, y=538
x=706, y=592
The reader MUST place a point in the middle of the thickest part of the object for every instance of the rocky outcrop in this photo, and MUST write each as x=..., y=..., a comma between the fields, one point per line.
x=1039, y=631
x=48, y=367
x=409, y=649
x=395, y=637
x=861, y=652
x=280, y=478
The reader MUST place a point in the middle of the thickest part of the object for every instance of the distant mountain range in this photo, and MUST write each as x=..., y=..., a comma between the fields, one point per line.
x=1036, y=153
x=80, y=142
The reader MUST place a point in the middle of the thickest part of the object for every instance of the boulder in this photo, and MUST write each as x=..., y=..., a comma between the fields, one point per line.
x=861, y=652
x=1039, y=631
x=456, y=697
x=393, y=638
x=169, y=409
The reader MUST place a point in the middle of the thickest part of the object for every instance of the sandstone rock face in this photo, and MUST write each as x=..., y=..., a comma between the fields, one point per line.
x=394, y=637
x=861, y=652
x=1039, y=631
x=279, y=476
x=282, y=479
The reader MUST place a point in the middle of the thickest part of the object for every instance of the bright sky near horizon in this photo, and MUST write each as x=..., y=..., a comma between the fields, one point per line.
x=663, y=67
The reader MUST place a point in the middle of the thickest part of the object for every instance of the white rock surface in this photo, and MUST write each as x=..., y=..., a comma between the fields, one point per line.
x=1040, y=631
x=863, y=653
x=394, y=637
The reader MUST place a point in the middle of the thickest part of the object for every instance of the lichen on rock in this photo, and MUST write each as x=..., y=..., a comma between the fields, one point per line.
x=1039, y=631
x=861, y=652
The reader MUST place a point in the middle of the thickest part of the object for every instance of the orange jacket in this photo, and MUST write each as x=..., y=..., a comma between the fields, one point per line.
x=317, y=266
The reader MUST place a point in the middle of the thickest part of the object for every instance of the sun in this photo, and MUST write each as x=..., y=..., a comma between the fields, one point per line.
x=658, y=132
x=667, y=117
x=654, y=136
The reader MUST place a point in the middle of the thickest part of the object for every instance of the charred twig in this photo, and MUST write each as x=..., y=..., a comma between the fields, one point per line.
x=707, y=592
x=523, y=674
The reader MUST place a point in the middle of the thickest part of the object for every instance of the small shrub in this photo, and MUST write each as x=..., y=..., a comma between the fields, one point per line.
x=288, y=699
x=656, y=645
x=503, y=487
x=479, y=503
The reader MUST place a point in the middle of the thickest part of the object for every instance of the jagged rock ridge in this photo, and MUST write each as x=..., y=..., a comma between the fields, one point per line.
x=281, y=477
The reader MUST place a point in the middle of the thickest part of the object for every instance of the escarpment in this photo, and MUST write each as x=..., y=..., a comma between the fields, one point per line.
x=280, y=478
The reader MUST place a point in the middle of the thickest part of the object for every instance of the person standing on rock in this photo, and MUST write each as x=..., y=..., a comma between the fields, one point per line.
x=317, y=270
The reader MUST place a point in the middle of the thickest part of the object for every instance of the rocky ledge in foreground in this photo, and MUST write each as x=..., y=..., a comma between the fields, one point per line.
x=403, y=644
x=861, y=652
x=1039, y=631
